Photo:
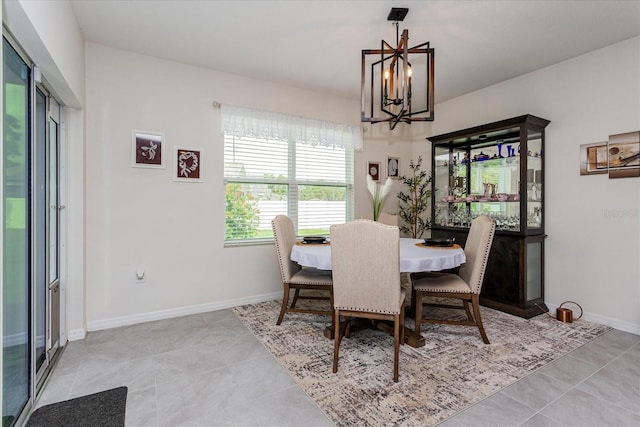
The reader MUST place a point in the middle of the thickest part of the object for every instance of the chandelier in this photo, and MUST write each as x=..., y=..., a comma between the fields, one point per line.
x=404, y=76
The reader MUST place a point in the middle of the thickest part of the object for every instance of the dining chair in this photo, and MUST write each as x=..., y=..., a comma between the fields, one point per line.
x=465, y=286
x=365, y=258
x=384, y=218
x=296, y=277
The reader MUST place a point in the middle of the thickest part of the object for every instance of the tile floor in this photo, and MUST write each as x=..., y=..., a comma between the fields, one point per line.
x=209, y=370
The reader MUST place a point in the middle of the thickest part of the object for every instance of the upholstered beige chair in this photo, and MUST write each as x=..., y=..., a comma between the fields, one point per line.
x=296, y=277
x=385, y=218
x=365, y=258
x=466, y=286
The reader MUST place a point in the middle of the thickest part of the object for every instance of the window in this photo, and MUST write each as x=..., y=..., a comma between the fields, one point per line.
x=309, y=180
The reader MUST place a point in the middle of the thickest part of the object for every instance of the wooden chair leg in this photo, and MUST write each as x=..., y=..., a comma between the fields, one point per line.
x=332, y=309
x=413, y=302
x=347, y=327
x=295, y=298
x=475, y=298
x=396, y=346
x=285, y=301
x=417, y=312
x=465, y=303
x=402, y=314
x=336, y=339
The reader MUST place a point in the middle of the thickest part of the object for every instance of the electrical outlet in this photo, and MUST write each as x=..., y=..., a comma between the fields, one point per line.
x=140, y=275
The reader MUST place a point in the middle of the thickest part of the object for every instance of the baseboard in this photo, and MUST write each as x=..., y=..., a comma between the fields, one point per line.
x=76, y=334
x=175, y=312
x=79, y=334
x=618, y=324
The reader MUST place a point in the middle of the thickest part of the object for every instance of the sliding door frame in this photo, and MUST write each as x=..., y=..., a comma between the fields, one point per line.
x=43, y=208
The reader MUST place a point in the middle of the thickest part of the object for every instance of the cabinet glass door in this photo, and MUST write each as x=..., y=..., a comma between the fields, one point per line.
x=534, y=179
x=495, y=178
x=441, y=174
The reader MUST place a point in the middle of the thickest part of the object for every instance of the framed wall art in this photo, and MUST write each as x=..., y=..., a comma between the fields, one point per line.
x=624, y=155
x=393, y=167
x=593, y=158
x=147, y=149
x=187, y=164
x=373, y=169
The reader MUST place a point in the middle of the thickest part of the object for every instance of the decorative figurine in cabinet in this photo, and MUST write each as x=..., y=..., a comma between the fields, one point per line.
x=497, y=169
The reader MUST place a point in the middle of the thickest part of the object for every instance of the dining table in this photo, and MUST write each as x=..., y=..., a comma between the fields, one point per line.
x=415, y=257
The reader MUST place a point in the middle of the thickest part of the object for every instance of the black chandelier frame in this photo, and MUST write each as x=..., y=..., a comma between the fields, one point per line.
x=397, y=107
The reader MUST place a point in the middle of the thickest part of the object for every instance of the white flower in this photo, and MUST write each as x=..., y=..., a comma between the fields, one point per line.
x=378, y=194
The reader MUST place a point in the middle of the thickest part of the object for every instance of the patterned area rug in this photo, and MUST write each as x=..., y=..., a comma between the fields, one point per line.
x=453, y=371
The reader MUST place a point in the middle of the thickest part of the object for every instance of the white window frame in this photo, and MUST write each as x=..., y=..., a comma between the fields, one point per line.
x=293, y=185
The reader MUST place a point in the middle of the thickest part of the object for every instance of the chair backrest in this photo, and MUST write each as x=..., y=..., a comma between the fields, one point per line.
x=365, y=260
x=476, y=250
x=385, y=218
x=285, y=238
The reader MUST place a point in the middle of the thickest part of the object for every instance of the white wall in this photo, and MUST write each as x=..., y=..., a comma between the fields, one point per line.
x=139, y=218
x=592, y=252
x=379, y=144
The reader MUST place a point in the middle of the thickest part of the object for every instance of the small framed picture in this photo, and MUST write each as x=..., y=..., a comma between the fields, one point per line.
x=147, y=149
x=393, y=167
x=187, y=164
x=593, y=158
x=373, y=169
x=624, y=155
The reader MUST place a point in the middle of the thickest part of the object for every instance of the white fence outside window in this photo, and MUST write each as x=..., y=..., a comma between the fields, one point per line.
x=311, y=213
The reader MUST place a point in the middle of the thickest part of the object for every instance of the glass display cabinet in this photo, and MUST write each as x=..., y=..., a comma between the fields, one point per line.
x=496, y=169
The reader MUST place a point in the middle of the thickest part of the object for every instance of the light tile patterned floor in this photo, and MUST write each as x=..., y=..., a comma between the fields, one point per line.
x=209, y=370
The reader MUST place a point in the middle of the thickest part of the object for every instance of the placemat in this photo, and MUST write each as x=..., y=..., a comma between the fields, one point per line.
x=422, y=245
x=313, y=244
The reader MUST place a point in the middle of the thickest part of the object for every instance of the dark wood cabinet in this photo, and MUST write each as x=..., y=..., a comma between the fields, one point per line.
x=497, y=169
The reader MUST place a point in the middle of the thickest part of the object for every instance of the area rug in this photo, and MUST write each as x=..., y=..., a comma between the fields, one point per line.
x=103, y=409
x=454, y=370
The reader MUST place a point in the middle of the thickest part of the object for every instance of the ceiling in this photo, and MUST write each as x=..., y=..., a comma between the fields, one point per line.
x=317, y=44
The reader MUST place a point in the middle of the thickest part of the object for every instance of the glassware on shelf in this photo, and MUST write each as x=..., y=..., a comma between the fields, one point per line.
x=509, y=151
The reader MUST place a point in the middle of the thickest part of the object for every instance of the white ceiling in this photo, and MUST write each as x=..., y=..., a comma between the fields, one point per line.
x=317, y=44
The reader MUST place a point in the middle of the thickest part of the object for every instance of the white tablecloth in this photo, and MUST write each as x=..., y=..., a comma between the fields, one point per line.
x=413, y=259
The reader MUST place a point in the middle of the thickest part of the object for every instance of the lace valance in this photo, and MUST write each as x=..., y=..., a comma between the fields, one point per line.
x=245, y=122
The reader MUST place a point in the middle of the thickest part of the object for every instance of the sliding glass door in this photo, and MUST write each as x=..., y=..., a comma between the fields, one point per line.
x=46, y=240
x=40, y=250
x=16, y=232
x=30, y=234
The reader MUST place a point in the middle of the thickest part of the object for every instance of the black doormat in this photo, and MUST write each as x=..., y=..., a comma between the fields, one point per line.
x=103, y=409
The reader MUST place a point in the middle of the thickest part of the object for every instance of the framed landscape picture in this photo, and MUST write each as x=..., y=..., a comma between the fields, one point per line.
x=187, y=164
x=147, y=149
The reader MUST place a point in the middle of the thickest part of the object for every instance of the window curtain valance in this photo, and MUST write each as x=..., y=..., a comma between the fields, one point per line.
x=245, y=122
